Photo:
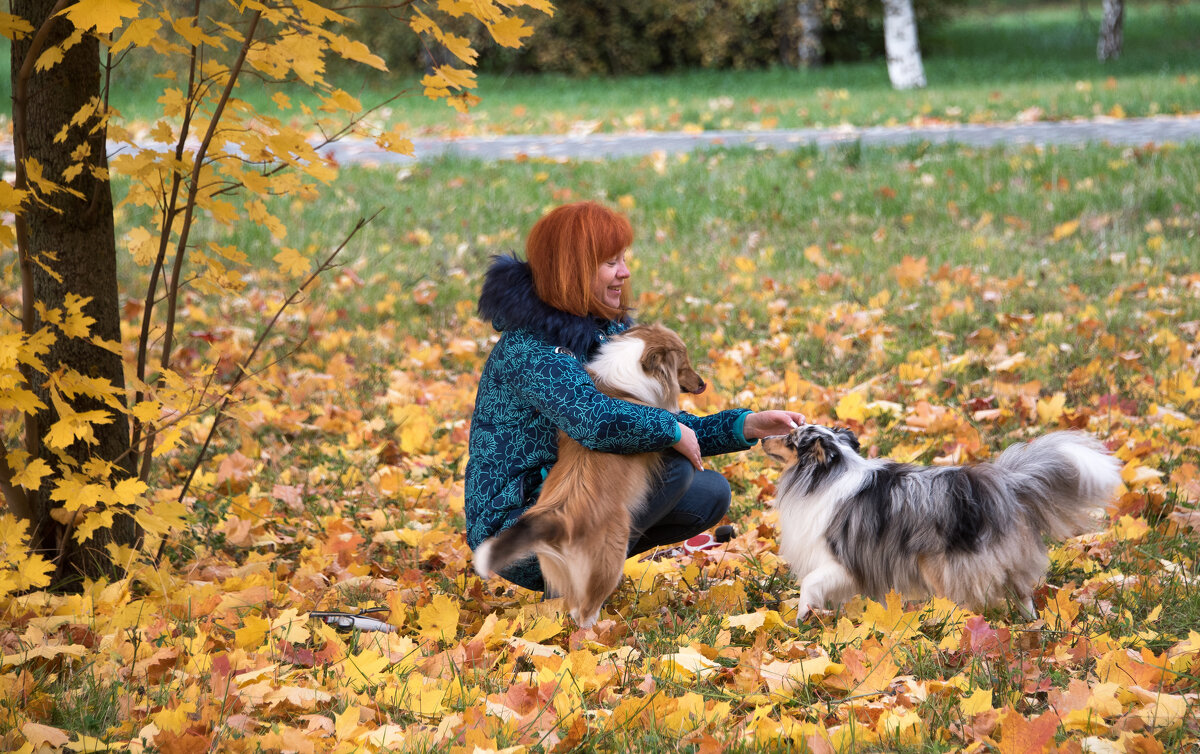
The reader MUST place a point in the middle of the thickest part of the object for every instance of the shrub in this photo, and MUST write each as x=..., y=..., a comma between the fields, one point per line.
x=631, y=37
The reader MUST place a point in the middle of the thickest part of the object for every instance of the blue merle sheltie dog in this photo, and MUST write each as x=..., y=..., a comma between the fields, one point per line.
x=973, y=534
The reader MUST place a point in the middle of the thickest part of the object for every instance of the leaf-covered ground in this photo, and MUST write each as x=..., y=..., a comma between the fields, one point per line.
x=910, y=305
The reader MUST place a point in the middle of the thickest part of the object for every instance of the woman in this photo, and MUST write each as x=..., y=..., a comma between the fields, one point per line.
x=552, y=311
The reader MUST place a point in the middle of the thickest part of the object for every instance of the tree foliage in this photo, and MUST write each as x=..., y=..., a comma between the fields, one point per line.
x=87, y=415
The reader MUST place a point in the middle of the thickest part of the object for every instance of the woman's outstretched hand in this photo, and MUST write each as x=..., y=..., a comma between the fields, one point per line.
x=767, y=423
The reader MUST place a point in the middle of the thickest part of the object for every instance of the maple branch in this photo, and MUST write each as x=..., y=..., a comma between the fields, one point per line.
x=169, y=213
x=189, y=209
x=189, y=206
x=327, y=264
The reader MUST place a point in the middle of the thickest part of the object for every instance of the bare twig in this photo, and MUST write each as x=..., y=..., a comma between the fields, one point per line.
x=189, y=208
x=326, y=265
x=169, y=213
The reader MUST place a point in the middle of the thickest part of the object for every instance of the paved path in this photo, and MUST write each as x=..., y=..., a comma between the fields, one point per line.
x=1130, y=131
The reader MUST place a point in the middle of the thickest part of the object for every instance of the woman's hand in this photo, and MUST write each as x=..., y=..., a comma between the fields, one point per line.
x=767, y=423
x=689, y=447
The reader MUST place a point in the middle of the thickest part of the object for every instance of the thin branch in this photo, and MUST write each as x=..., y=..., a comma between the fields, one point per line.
x=189, y=207
x=169, y=212
x=242, y=374
x=194, y=187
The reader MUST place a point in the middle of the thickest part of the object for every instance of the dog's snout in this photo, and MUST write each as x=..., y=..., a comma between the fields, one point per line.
x=700, y=387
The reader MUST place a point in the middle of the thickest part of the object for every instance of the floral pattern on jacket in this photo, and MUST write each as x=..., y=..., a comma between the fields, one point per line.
x=533, y=385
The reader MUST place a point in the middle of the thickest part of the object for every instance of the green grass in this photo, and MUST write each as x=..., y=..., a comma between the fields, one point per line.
x=984, y=65
x=994, y=210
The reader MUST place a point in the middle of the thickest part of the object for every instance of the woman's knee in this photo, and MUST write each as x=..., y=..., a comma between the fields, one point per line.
x=713, y=496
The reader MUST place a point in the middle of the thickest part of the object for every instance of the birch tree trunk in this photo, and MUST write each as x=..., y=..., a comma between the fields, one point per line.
x=809, y=47
x=1111, y=30
x=900, y=43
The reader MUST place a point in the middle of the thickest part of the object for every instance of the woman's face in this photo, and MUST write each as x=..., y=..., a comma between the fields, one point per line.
x=610, y=280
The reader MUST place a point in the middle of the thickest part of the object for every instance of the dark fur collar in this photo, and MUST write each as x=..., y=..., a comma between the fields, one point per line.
x=509, y=301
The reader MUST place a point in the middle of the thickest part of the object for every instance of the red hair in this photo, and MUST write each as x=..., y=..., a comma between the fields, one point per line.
x=565, y=250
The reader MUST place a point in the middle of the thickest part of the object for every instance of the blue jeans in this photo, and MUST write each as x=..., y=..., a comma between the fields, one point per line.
x=683, y=503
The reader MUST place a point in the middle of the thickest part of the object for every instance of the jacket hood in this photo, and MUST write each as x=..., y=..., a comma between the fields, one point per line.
x=508, y=299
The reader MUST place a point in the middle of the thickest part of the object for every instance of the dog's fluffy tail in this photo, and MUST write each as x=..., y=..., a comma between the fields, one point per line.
x=527, y=536
x=1063, y=479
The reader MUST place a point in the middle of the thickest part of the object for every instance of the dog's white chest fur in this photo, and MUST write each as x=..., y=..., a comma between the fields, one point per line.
x=619, y=363
x=804, y=520
x=802, y=525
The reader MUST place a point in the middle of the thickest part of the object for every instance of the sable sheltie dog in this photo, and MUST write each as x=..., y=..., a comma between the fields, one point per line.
x=580, y=526
x=973, y=534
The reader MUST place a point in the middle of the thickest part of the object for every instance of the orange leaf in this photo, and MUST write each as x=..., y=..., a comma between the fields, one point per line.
x=1019, y=735
x=911, y=272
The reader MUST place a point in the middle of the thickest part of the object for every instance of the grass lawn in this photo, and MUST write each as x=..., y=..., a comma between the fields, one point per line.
x=985, y=65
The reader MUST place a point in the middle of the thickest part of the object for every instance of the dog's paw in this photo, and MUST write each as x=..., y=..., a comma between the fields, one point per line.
x=587, y=621
x=810, y=613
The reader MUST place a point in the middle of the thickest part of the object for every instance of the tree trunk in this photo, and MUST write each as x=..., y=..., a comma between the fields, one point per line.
x=809, y=47
x=900, y=42
x=79, y=234
x=1111, y=30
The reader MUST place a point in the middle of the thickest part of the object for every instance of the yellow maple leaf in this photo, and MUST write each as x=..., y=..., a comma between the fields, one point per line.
x=50, y=58
x=439, y=619
x=543, y=627
x=102, y=15
x=769, y=619
x=31, y=475
x=292, y=262
x=33, y=571
x=977, y=703
x=364, y=669
x=91, y=522
x=73, y=426
x=139, y=33
x=460, y=47
x=688, y=661
x=416, y=428
x=1060, y=613
x=1065, y=230
x=1050, y=410
x=14, y=27
x=347, y=724
x=142, y=246
x=911, y=272
x=852, y=407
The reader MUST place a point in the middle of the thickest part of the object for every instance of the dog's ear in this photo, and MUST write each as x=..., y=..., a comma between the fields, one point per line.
x=850, y=438
x=659, y=362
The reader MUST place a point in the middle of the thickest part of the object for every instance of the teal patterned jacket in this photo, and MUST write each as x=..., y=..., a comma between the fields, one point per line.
x=533, y=385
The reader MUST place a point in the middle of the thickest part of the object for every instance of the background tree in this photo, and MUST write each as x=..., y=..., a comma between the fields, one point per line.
x=1112, y=34
x=809, y=49
x=77, y=477
x=904, y=65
